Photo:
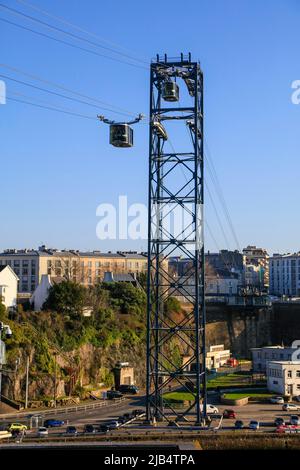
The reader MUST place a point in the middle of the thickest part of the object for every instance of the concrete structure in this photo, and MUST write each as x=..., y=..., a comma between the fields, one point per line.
x=41, y=293
x=258, y=259
x=217, y=356
x=84, y=267
x=8, y=286
x=283, y=377
x=262, y=356
x=123, y=374
x=285, y=275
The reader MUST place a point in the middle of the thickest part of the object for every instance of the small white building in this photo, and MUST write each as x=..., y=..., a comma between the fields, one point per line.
x=40, y=295
x=217, y=356
x=283, y=377
x=8, y=286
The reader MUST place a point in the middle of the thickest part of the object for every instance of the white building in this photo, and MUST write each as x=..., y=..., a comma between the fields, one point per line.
x=285, y=274
x=217, y=356
x=262, y=356
x=8, y=286
x=283, y=377
x=41, y=293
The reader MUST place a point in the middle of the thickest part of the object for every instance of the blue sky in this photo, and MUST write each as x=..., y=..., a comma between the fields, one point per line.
x=56, y=169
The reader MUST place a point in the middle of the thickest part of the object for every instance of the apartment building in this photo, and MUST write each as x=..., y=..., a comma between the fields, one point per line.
x=256, y=261
x=84, y=267
x=285, y=274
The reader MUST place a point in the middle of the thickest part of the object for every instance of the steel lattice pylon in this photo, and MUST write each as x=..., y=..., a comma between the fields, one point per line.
x=176, y=192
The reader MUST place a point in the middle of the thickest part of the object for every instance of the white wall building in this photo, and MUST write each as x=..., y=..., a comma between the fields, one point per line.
x=41, y=293
x=262, y=356
x=285, y=274
x=8, y=286
x=217, y=356
x=283, y=377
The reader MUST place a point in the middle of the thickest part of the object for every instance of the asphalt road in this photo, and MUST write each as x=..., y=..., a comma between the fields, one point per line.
x=265, y=413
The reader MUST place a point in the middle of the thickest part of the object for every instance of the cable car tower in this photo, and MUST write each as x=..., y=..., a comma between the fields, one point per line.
x=176, y=187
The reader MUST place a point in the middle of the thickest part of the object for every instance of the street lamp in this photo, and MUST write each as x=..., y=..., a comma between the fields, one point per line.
x=5, y=331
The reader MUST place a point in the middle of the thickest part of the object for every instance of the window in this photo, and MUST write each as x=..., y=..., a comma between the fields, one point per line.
x=298, y=373
x=275, y=382
x=298, y=386
x=289, y=374
x=89, y=264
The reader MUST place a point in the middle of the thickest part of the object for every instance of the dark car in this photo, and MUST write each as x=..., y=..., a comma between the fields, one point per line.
x=229, y=414
x=279, y=422
x=71, y=430
x=122, y=420
x=128, y=416
x=239, y=424
x=53, y=423
x=89, y=429
x=128, y=389
x=111, y=394
x=103, y=428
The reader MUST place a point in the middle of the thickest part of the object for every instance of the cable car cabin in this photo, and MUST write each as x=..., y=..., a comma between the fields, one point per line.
x=121, y=135
x=171, y=91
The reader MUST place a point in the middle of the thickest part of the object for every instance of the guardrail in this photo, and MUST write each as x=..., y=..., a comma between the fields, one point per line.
x=61, y=410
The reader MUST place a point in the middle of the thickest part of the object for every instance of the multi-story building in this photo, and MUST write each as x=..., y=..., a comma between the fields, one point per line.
x=84, y=267
x=283, y=377
x=262, y=356
x=285, y=274
x=257, y=261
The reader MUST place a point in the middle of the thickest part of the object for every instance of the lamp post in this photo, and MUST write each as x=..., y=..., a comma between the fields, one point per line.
x=55, y=380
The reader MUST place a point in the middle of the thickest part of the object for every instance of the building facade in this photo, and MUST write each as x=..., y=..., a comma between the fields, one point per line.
x=8, y=287
x=283, y=377
x=285, y=275
x=262, y=356
x=256, y=261
x=87, y=268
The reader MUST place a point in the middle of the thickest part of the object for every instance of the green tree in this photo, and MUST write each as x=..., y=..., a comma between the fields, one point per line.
x=127, y=298
x=68, y=298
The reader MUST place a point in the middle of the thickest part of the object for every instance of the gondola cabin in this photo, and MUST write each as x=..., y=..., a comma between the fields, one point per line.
x=121, y=135
x=171, y=91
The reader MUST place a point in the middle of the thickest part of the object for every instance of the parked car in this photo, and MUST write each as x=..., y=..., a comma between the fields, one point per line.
x=128, y=389
x=279, y=422
x=71, y=430
x=211, y=409
x=290, y=407
x=53, y=423
x=254, y=425
x=122, y=420
x=297, y=397
x=277, y=400
x=17, y=427
x=128, y=416
x=113, y=424
x=111, y=394
x=239, y=424
x=89, y=429
x=294, y=419
x=42, y=432
x=103, y=428
x=229, y=414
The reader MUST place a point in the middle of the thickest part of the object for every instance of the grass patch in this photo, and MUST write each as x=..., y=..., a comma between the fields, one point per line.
x=259, y=394
x=179, y=396
x=234, y=379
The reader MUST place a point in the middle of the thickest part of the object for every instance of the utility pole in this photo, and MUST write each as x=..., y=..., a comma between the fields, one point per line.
x=27, y=382
x=176, y=185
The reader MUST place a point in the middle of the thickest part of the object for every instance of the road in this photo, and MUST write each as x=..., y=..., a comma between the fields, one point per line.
x=265, y=413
